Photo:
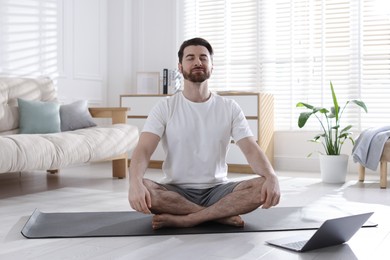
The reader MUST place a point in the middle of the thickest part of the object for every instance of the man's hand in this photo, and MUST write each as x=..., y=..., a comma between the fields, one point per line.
x=139, y=198
x=270, y=193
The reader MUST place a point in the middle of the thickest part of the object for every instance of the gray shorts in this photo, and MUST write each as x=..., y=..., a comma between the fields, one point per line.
x=203, y=197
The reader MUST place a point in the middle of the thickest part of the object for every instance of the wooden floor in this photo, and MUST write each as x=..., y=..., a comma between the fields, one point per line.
x=91, y=188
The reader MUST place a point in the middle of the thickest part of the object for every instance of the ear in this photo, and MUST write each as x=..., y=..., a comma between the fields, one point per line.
x=180, y=67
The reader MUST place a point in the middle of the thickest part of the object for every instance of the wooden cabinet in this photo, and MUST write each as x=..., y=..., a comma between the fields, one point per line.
x=257, y=107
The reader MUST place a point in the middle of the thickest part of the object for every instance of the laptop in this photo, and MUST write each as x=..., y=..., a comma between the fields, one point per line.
x=332, y=232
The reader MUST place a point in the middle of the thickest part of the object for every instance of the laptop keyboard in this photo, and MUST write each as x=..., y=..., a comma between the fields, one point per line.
x=296, y=245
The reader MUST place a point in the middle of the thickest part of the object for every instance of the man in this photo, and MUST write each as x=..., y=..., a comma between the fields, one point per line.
x=195, y=127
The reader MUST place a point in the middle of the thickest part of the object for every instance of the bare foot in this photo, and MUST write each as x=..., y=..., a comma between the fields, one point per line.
x=182, y=221
x=232, y=221
x=167, y=220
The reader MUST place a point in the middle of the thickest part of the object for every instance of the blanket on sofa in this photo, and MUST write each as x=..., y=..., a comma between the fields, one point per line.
x=368, y=147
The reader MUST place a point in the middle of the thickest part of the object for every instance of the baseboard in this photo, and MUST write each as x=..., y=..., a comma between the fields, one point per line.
x=309, y=164
x=236, y=168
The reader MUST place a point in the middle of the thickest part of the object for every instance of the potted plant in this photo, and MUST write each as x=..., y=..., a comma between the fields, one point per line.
x=333, y=165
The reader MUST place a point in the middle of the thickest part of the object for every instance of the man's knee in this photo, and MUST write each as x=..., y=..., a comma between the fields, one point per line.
x=153, y=188
x=156, y=194
x=254, y=183
x=151, y=185
x=253, y=187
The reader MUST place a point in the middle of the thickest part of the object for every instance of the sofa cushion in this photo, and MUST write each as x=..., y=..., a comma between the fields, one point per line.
x=57, y=150
x=37, y=117
x=75, y=116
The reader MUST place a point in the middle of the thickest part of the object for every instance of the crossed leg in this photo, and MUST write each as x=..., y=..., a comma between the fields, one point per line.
x=173, y=210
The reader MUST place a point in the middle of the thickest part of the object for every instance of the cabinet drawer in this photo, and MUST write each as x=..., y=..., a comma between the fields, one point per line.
x=140, y=106
x=248, y=103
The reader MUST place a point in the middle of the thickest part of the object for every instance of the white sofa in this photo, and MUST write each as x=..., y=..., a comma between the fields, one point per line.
x=52, y=151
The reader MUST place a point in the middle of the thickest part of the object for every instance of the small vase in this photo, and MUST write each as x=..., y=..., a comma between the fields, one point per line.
x=333, y=168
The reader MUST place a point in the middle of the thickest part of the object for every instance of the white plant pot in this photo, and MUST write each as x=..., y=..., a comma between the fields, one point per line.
x=333, y=168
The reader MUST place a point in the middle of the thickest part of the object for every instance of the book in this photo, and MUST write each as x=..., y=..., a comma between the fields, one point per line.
x=165, y=81
x=171, y=81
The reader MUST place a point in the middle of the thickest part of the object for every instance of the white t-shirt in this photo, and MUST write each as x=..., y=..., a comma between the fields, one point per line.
x=196, y=137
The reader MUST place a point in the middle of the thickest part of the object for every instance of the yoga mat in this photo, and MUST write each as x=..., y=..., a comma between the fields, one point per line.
x=131, y=223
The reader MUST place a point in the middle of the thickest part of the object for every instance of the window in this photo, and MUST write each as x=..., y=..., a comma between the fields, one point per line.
x=28, y=42
x=293, y=49
x=231, y=28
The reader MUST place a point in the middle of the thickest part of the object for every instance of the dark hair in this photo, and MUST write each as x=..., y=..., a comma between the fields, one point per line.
x=195, y=42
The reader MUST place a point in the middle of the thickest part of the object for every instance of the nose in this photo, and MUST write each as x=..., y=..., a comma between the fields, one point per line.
x=198, y=63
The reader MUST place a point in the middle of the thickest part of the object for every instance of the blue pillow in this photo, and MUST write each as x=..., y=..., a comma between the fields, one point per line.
x=37, y=117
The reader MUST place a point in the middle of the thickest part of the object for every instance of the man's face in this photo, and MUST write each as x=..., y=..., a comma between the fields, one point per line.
x=196, y=65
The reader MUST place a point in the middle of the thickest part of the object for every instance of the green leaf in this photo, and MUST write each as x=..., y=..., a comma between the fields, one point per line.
x=360, y=104
x=303, y=117
x=335, y=103
x=322, y=110
x=315, y=139
x=301, y=104
x=345, y=135
x=346, y=128
x=332, y=113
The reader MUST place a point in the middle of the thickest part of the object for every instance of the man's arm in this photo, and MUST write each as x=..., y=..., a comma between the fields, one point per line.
x=260, y=164
x=139, y=196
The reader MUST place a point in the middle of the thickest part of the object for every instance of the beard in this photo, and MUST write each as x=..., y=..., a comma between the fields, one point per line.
x=196, y=77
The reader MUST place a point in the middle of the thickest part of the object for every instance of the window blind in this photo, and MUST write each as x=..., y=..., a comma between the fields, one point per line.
x=28, y=42
x=293, y=49
x=231, y=28
x=375, y=66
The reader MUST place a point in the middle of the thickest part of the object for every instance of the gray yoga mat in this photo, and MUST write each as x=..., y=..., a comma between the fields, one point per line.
x=130, y=223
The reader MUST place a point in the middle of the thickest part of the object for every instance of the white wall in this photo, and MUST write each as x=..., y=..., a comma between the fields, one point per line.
x=119, y=49
x=292, y=149
x=141, y=39
x=104, y=43
x=83, y=55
